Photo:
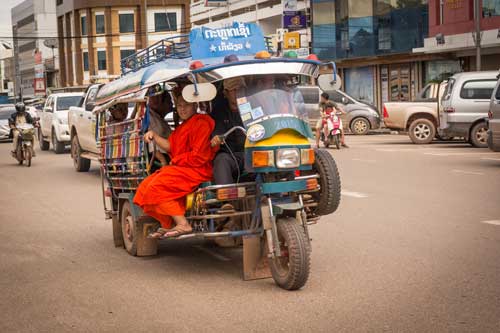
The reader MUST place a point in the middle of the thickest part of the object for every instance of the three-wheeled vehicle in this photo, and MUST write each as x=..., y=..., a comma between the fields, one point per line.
x=286, y=186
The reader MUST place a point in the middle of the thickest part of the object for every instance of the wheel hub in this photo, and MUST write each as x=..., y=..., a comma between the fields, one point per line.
x=422, y=131
x=128, y=228
x=360, y=126
x=482, y=135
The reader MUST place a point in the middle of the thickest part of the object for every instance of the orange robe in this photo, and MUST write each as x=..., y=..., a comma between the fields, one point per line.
x=163, y=194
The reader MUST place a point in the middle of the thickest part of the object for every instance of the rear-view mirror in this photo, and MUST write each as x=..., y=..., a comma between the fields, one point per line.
x=201, y=92
x=89, y=106
x=328, y=82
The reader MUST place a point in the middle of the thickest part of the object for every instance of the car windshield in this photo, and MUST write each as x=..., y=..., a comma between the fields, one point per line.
x=267, y=96
x=64, y=102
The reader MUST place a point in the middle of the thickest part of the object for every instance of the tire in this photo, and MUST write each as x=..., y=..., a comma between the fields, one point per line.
x=328, y=197
x=19, y=154
x=44, y=145
x=117, y=231
x=336, y=140
x=129, y=229
x=28, y=156
x=479, y=135
x=422, y=131
x=58, y=146
x=291, y=270
x=360, y=126
x=81, y=164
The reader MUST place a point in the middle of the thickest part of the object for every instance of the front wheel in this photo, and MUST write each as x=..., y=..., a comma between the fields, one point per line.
x=360, y=126
x=58, y=146
x=336, y=140
x=291, y=270
x=27, y=156
x=479, y=135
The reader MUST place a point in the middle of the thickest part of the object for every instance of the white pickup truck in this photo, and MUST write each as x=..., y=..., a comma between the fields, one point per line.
x=82, y=123
x=54, y=121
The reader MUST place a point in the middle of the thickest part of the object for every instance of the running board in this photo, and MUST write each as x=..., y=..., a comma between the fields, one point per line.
x=90, y=156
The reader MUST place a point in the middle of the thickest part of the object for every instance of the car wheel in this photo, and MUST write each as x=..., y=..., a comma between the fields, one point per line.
x=360, y=126
x=44, y=145
x=479, y=135
x=422, y=131
x=81, y=164
x=58, y=146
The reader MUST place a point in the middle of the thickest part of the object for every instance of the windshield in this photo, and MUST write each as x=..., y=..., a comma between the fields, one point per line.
x=64, y=102
x=268, y=96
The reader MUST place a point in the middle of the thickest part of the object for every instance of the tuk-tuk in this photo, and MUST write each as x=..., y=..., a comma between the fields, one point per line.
x=286, y=186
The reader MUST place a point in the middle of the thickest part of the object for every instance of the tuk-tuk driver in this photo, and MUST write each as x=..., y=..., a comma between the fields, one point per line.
x=230, y=158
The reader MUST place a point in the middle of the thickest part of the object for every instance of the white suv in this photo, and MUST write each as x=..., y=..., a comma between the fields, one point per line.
x=54, y=121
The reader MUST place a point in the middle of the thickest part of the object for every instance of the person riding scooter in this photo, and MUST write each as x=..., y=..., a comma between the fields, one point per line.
x=21, y=116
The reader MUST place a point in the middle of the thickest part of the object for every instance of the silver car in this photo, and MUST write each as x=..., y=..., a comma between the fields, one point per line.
x=494, y=119
x=465, y=106
x=360, y=117
x=5, y=113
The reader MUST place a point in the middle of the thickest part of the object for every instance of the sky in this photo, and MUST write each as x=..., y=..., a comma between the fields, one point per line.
x=5, y=21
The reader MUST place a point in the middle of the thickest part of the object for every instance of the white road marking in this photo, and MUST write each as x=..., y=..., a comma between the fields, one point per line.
x=452, y=154
x=492, y=222
x=363, y=160
x=212, y=253
x=354, y=194
x=468, y=172
x=490, y=159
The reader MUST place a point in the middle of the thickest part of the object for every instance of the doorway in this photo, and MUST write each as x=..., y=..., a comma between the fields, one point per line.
x=400, y=81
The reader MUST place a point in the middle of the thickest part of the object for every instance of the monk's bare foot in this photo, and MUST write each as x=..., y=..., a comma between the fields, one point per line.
x=177, y=231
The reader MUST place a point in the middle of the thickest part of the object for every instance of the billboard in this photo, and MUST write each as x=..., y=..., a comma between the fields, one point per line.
x=294, y=21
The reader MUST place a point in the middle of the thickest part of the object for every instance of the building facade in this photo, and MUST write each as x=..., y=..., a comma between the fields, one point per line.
x=451, y=33
x=95, y=36
x=6, y=72
x=372, y=42
x=35, y=64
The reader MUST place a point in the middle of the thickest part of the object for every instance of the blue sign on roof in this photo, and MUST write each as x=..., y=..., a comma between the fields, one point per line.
x=240, y=39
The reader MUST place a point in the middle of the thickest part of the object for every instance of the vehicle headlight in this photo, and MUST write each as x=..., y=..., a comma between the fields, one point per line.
x=288, y=158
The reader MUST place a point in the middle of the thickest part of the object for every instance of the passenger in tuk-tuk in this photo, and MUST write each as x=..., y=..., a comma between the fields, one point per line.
x=118, y=113
x=230, y=159
x=160, y=104
x=162, y=194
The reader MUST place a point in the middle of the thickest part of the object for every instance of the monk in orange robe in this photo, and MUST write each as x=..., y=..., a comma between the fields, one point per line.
x=162, y=195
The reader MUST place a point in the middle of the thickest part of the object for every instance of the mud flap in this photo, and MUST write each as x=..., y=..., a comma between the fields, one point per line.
x=146, y=246
x=255, y=261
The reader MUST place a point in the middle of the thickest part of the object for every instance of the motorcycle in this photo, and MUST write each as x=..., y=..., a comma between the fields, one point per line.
x=333, y=124
x=24, y=149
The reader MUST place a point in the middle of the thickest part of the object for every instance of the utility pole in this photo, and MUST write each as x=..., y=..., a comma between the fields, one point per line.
x=477, y=33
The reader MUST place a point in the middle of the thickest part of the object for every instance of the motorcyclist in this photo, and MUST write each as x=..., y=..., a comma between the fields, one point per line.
x=21, y=116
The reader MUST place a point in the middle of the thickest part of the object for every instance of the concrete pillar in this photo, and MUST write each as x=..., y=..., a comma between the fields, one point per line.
x=69, y=51
x=61, y=48
x=78, y=47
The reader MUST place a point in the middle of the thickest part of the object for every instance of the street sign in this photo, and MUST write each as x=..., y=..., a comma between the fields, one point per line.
x=294, y=21
x=291, y=40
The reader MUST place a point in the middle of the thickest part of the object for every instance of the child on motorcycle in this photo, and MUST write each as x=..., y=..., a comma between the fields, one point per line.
x=329, y=110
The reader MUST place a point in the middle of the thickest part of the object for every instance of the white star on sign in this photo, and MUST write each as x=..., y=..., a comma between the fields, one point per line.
x=213, y=48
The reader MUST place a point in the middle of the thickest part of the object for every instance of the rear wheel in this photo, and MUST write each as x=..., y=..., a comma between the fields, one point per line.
x=479, y=135
x=328, y=197
x=81, y=164
x=360, y=126
x=58, y=146
x=129, y=229
x=44, y=145
x=291, y=270
x=422, y=131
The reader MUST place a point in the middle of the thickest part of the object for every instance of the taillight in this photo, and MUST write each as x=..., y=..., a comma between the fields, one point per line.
x=386, y=115
x=449, y=109
x=490, y=115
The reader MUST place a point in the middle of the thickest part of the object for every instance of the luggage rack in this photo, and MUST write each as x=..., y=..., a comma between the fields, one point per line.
x=166, y=48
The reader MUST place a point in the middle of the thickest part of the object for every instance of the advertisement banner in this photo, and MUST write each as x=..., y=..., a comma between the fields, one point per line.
x=289, y=6
x=39, y=71
x=39, y=86
x=239, y=39
x=294, y=21
x=291, y=40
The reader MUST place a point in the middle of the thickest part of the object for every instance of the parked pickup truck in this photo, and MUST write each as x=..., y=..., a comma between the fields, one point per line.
x=54, y=121
x=420, y=117
x=81, y=123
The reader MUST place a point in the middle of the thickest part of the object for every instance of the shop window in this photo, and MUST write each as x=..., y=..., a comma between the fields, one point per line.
x=85, y=61
x=101, y=60
x=126, y=23
x=83, y=21
x=491, y=8
x=126, y=53
x=165, y=22
x=479, y=89
x=99, y=24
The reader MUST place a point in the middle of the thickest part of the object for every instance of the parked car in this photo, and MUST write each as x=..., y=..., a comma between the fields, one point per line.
x=465, y=106
x=419, y=117
x=5, y=113
x=494, y=119
x=360, y=117
x=81, y=123
x=54, y=121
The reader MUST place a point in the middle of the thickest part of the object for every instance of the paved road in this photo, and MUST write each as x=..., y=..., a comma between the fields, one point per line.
x=414, y=247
